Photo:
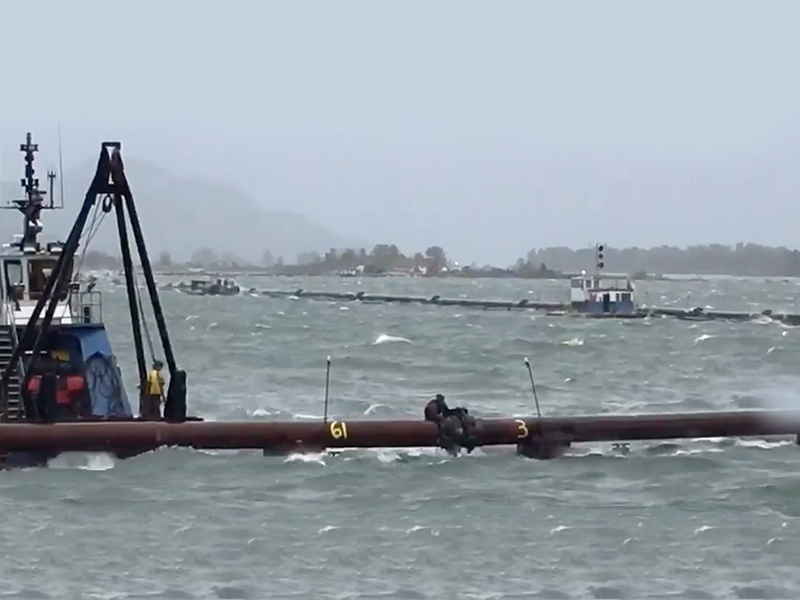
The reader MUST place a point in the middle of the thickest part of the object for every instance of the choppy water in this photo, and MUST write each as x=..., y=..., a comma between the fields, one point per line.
x=712, y=519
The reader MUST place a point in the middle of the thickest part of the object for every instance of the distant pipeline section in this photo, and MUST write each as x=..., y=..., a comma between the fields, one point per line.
x=550, y=308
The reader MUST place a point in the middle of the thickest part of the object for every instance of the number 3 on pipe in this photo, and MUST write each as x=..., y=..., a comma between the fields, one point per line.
x=522, y=429
x=338, y=430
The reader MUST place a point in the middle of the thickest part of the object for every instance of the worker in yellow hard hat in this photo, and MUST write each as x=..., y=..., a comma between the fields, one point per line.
x=154, y=392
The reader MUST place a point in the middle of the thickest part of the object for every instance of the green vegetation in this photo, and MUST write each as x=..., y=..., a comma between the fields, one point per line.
x=549, y=263
x=713, y=259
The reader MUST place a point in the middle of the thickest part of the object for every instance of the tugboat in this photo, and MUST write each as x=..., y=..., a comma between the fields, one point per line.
x=207, y=287
x=596, y=295
x=60, y=366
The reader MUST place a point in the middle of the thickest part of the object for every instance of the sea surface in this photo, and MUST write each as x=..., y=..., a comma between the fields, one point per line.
x=695, y=519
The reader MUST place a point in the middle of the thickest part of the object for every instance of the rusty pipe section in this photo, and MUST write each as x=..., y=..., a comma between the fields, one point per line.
x=619, y=428
x=284, y=437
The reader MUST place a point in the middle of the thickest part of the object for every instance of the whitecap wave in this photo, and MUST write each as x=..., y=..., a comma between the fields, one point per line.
x=86, y=461
x=385, y=338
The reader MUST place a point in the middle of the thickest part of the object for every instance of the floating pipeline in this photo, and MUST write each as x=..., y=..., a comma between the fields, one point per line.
x=551, y=308
x=535, y=437
x=435, y=300
x=721, y=315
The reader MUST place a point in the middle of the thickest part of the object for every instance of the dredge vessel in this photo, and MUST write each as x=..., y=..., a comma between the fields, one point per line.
x=55, y=354
x=62, y=390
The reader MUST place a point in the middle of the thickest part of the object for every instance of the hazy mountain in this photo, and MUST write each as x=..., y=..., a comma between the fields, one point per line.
x=181, y=215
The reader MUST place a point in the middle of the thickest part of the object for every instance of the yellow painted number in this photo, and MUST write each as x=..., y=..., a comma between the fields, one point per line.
x=522, y=429
x=338, y=430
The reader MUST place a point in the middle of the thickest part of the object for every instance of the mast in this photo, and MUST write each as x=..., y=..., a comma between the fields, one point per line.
x=598, y=259
x=33, y=203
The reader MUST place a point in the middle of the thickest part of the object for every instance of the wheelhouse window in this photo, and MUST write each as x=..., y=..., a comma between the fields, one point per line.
x=39, y=271
x=577, y=284
x=13, y=280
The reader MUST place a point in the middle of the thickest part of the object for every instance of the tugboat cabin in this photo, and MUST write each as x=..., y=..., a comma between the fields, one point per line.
x=602, y=294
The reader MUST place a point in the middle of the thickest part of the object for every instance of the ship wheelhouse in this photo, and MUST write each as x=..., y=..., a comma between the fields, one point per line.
x=24, y=277
x=595, y=293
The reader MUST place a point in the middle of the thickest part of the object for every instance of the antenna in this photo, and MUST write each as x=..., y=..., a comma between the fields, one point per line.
x=533, y=387
x=60, y=171
x=327, y=389
x=51, y=176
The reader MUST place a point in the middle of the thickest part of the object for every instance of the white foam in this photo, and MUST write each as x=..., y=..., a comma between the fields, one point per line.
x=87, y=461
x=384, y=338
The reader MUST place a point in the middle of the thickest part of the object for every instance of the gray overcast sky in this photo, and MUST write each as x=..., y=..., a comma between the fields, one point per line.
x=486, y=127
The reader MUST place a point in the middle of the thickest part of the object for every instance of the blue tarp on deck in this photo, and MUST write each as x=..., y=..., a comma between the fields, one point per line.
x=103, y=376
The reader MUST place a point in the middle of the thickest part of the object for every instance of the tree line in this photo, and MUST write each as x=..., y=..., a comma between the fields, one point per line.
x=382, y=258
x=712, y=259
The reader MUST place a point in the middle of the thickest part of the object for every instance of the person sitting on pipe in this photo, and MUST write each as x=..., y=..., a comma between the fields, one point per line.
x=455, y=425
x=436, y=409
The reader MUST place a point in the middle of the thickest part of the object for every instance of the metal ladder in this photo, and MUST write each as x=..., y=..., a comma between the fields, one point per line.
x=8, y=342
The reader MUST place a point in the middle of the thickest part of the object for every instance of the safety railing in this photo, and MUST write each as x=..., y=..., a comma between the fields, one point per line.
x=87, y=307
x=9, y=308
x=8, y=312
x=15, y=341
